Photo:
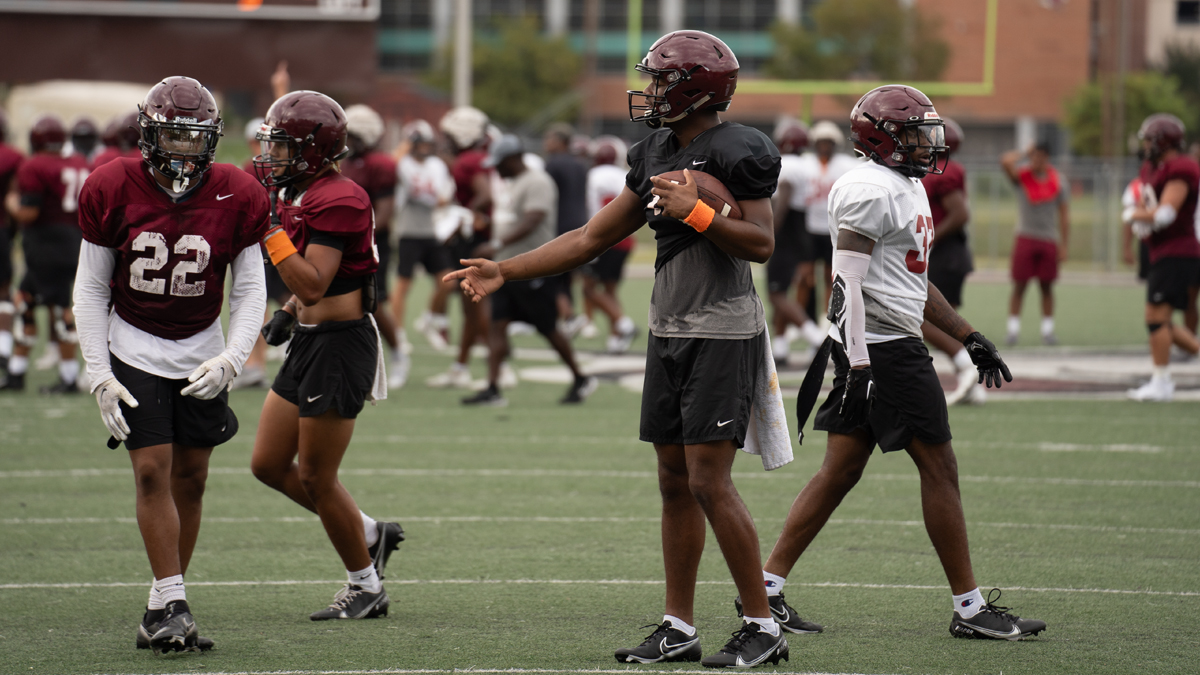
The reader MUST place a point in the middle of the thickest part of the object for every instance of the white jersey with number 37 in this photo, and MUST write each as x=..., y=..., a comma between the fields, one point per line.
x=880, y=203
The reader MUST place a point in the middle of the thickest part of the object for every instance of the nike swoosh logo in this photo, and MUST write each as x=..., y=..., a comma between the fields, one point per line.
x=1014, y=633
x=721, y=424
x=668, y=650
x=298, y=217
x=220, y=197
x=695, y=163
x=313, y=398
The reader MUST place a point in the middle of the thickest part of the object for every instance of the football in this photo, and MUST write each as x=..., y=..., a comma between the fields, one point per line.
x=711, y=191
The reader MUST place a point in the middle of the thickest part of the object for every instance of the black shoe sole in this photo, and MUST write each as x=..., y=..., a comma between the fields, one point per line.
x=782, y=653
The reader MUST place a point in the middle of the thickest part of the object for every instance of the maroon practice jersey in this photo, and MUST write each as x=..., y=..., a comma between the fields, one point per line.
x=1177, y=240
x=335, y=205
x=374, y=172
x=937, y=186
x=466, y=166
x=10, y=161
x=51, y=183
x=169, y=280
x=112, y=152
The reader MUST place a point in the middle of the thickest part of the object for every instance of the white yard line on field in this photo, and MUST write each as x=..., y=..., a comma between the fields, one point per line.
x=483, y=671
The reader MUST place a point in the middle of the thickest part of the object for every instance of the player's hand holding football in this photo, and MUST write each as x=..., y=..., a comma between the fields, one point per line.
x=987, y=359
x=479, y=278
x=109, y=395
x=210, y=378
x=675, y=200
x=858, y=397
x=279, y=329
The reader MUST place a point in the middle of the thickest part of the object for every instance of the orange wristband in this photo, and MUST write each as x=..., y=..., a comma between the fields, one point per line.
x=701, y=216
x=279, y=247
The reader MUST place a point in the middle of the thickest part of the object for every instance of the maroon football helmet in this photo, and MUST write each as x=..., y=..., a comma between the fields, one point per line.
x=47, y=135
x=891, y=123
x=122, y=131
x=608, y=150
x=1161, y=132
x=693, y=71
x=792, y=139
x=84, y=135
x=180, y=125
x=303, y=133
x=954, y=135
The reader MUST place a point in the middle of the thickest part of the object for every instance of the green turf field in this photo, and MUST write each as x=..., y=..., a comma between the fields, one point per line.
x=533, y=538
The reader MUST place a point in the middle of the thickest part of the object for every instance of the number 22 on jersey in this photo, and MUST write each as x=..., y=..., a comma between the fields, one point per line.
x=158, y=244
x=918, y=260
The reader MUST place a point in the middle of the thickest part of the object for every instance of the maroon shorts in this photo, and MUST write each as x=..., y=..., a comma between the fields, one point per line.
x=1034, y=258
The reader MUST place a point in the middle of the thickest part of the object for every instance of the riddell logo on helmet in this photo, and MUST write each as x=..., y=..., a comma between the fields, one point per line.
x=932, y=115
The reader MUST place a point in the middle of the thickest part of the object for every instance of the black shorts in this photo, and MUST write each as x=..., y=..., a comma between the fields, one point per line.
x=909, y=400
x=277, y=290
x=164, y=416
x=562, y=283
x=1169, y=280
x=51, y=256
x=789, y=243
x=327, y=364
x=533, y=301
x=6, y=266
x=699, y=390
x=949, y=265
x=608, y=266
x=433, y=256
x=383, y=248
x=816, y=247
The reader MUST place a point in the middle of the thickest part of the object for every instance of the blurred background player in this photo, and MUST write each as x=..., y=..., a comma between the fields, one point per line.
x=569, y=172
x=602, y=276
x=322, y=242
x=10, y=161
x=45, y=206
x=425, y=186
x=465, y=129
x=120, y=139
x=375, y=172
x=1043, y=231
x=950, y=261
x=821, y=168
x=1169, y=228
x=85, y=138
x=524, y=222
x=789, y=207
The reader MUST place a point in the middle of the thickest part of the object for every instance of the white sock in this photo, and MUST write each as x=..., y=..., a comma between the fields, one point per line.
x=680, y=625
x=369, y=529
x=625, y=325
x=68, y=370
x=156, y=601
x=962, y=360
x=367, y=578
x=439, y=321
x=968, y=604
x=1014, y=325
x=1162, y=374
x=457, y=367
x=1047, y=325
x=170, y=589
x=6, y=343
x=768, y=624
x=773, y=583
x=17, y=365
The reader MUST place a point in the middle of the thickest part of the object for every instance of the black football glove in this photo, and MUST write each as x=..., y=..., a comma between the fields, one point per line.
x=279, y=328
x=858, y=396
x=985, y=357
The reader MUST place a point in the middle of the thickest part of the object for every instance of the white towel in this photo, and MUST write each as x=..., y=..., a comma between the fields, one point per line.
x=768, y=434
x=379, y=387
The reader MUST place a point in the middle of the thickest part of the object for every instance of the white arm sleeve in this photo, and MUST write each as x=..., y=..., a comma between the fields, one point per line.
x=851, y=268
x=247, y=304
x=92, y=294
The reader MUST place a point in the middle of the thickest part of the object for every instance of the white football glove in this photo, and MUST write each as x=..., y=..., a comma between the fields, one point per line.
x=210, y=378
x=109, y=395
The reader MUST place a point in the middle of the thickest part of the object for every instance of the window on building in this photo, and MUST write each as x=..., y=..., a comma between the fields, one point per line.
x=406, y=14
x=729, y=15
x=1187, y=12
x=613, y=14
x=487, y=11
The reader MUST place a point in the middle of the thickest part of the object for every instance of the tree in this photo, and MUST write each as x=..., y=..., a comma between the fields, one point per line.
x=860, y=39
x=520, y=74
x=1146, y=93
x=1182, y=62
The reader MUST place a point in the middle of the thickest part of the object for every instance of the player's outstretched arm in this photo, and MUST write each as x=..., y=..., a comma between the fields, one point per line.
x=983, y=353
x=619, y=219
x=751, y=238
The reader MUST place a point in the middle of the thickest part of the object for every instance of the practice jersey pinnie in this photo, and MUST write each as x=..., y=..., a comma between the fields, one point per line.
x=333, y=205
x=52, y=184
x=1177, y=240
x=699, y=290
x=879, y=203
x=172, y=257
x=375, y=172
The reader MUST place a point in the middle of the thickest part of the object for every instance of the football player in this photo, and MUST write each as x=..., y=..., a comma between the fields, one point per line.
x=602, y=276
x=45, y=206
x=950, y=260
x=822, y=167
x=569, y=172
x=85, y=138
x=375, y=172
x=10, y=161
x=120, y=138
x=160, y=234
x=322, y=241
x=885, y=390
x=1168, y=228
x=707, y=326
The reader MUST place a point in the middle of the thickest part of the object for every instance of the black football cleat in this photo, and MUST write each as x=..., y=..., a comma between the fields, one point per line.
x=487, y=397
x=149, y=627
x=666, y=643
x=995, y=623
x=784, y=615
x=582, y=388
x=390, y=536
x=13, y=383
x=61, y=387
x=352, y=602
x=749, y=647
x=177, y=630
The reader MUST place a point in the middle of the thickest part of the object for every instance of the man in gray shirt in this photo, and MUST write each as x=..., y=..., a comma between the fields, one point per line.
x=1043, y=226
x=523, y=219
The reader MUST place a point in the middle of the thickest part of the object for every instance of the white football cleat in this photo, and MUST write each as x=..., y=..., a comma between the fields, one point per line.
x=458, y=378
x=968, y=382
x=398, y=376
x=1158, y=390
